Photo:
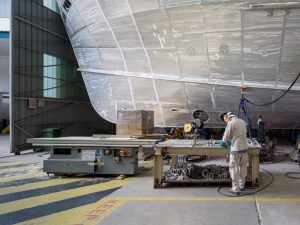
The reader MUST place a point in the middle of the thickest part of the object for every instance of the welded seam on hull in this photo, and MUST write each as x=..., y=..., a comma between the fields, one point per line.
x=140, y=37
x=242, y=48
x=160, y=107
x=90, y=33
x=188, y=80
x=179, y=63
x=71, y=26
x=149, y=62
x=207, y=57
x=131, y=92
x=281, y=47
x=212, y=91
x=113, y=34
x=209, y=73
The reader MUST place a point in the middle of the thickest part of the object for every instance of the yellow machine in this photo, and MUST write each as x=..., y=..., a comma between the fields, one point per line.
x=188, y=127
x=5, y=130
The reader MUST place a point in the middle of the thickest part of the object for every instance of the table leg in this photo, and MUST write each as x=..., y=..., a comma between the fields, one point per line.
x=174, y=160
x=158, y=170
x=255, y=170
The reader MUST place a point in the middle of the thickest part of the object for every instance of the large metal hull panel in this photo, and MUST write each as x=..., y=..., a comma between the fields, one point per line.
x=175, y=56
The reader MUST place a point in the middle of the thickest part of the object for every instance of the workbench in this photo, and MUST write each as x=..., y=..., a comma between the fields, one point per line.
x=100, y=154
x=209, y=148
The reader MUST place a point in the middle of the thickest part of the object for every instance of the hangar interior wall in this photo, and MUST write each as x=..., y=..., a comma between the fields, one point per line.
x=47, y=91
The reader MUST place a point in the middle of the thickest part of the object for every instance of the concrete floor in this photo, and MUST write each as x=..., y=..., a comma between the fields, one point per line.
x=134, y=201
x=4, y=145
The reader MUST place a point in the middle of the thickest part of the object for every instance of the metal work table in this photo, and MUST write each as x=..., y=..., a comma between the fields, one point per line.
x=101, y=154
x=187, y=147
x=105, y=141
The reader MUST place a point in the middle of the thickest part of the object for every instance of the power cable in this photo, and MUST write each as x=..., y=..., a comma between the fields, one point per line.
x=285, y=156
x=291, y=175
x=281, y=96
x=278, y=161
x=249, y=193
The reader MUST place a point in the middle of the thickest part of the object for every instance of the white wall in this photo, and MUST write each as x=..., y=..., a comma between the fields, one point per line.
x=4, y=58
x=4, y=8
x=4, y=65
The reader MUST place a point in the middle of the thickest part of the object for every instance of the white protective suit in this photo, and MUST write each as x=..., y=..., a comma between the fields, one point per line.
x=236, y=131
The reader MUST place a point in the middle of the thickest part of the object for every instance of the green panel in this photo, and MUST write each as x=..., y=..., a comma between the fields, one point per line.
x=42, y=59
x=51, y=132
x=60, y=78
x=51, y=4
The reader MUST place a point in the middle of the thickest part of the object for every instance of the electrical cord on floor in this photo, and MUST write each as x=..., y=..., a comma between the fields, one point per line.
x=286, y=155
x=248, y=193
x=291, y=175
x=278, y=161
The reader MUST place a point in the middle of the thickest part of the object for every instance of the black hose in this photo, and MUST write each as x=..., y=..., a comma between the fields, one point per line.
x=286, y=155
x=278, y=161
x=291, y=175
x=277, y=99
x=250, y=193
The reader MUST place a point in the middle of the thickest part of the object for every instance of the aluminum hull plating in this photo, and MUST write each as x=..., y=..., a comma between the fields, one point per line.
x=175, y=56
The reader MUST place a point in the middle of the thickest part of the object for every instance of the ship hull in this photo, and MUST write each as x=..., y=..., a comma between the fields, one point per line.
x=174, y=57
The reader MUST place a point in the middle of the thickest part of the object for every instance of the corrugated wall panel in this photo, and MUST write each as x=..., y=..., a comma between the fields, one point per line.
x=36, y=31
x=5, y=8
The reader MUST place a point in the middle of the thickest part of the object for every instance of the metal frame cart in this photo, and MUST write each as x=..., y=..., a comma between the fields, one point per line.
x=188, y=147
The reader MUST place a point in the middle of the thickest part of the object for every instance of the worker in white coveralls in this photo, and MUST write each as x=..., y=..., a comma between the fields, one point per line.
x=236, y=132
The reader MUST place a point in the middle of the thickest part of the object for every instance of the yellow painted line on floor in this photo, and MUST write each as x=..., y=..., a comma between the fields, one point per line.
x=40, y=184
x=62, y=195
x=184, y=199
x=91, y=214
x=14, y=163
x=21, y=177
x=278, y=199
x=208, y=199
x=27, y=167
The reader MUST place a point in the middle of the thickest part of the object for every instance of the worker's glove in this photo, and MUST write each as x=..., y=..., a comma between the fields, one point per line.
x=162, y=138
x=228, y=142
x=222, y=143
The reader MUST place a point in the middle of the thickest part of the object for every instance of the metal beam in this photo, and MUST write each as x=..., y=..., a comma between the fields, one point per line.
x=54, y=100
x=23, y=130
x=41, y=28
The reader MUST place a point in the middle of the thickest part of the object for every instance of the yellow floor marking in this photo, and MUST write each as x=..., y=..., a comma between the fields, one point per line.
x=278, y=199
x=14, y=163
x=207, y=199
x=57, y=196
x=22, y=177
x=27, y=167
x=93, y=214
x=184, y=199
x=41, y=184
x=85, y=215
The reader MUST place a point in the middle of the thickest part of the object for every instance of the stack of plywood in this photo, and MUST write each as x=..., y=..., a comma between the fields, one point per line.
x=137, y=122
